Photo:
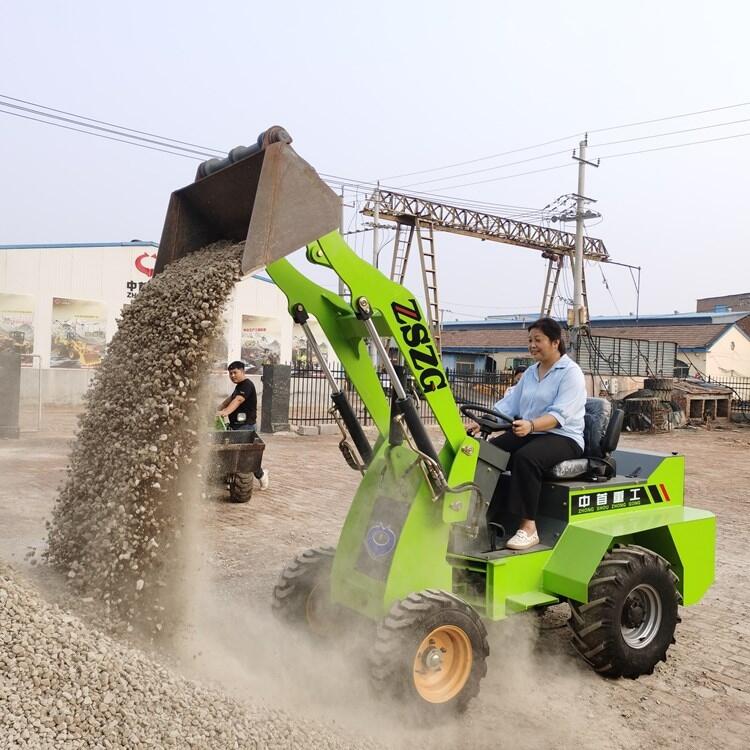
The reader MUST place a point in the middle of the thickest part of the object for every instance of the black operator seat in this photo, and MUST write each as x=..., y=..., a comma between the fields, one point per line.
x=601, y=433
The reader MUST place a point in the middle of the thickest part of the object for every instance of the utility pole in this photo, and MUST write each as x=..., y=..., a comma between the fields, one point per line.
x=376, y=226
x=578, y=307
x=342, y=287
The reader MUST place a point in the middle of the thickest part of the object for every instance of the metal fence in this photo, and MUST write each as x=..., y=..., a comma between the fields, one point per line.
x=310, y=393
x=740, y=392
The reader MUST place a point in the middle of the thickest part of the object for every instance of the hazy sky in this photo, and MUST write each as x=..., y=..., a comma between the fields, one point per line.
x=370, y=90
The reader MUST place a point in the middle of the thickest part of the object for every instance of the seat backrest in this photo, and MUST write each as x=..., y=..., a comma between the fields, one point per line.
x=612, y=435
x=601, y=431
x=595, y=423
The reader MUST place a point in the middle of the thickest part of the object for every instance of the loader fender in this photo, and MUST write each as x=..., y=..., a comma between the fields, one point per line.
x=683, y=536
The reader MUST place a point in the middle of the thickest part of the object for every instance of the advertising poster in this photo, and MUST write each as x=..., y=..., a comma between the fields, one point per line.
x=303, y=357
x=261, y=341
x=79, y=329
x=17, y=325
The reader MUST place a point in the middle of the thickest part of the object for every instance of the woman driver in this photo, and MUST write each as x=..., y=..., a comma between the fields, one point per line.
x=550, y=399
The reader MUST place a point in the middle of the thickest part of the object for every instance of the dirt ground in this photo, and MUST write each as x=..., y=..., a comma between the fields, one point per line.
x=537, y=691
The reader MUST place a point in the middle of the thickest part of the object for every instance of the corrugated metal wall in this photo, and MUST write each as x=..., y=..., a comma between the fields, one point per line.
x=632, y=357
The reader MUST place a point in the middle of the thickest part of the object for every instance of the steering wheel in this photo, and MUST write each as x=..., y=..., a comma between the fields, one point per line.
x=486, y=418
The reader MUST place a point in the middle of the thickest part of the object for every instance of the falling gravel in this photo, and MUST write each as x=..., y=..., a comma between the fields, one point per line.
x=64, y=685
x=117, y=523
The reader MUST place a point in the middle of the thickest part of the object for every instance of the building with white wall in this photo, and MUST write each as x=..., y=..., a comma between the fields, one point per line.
x=60, y=304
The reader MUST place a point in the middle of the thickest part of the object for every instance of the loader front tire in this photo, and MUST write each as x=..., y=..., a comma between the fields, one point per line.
x=240, y=487
x=301, y=597
x=628, y=624
x=430, y=651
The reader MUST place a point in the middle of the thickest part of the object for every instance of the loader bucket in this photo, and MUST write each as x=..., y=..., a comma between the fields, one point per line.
x=263, y=195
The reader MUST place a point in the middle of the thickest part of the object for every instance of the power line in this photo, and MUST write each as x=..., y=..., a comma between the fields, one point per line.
x=606, y=286
x=677, y=145
x=565, y=151
x=506, y=209
x=101, y=135
x=672, y=132
x=103, y=122
x=480, y=158
x=508, y=177
x=487, y=169
x=202, y=154
x=168, y=145
x=568, y=137
x=372, y=186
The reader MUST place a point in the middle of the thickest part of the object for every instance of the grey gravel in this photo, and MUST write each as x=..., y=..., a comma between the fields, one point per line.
x=65, y=686
x=117, y=522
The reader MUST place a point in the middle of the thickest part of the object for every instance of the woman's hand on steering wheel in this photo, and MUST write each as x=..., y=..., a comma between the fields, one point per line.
x=485, y=419
x=522, y=427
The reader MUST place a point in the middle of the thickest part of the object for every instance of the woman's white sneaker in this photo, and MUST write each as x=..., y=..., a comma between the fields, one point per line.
x=522, y=540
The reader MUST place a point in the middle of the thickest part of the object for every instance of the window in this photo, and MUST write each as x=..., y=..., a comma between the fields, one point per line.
x=465, y=365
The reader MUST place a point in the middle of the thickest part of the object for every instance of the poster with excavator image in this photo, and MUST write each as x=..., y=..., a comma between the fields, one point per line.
x=303, y=356
x=17, y=325
x=261, y=341
x=79, y=333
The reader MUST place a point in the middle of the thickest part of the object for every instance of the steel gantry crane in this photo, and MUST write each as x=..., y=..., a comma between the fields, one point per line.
x=420, y=218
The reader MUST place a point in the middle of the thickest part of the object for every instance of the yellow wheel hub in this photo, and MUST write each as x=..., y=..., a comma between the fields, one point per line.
x=442, y=664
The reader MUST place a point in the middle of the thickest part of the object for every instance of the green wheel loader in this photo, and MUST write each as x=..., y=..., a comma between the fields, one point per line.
x=421, y=555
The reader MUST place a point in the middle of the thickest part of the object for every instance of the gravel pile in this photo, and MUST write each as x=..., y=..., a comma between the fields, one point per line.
x=63, y=685
x=117, y=522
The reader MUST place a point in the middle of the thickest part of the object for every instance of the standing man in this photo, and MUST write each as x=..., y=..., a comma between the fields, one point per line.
x=242, y=408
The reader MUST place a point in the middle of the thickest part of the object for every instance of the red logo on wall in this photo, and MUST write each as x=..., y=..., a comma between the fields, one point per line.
x=145, y=263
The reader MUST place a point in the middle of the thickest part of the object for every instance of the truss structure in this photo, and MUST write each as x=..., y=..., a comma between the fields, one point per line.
x=420, y=218
x=405, y=209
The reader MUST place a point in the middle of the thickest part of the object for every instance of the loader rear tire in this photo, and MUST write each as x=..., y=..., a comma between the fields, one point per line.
x=430, y=651
x=240, y=487
x=301, y=597
x=628, y=624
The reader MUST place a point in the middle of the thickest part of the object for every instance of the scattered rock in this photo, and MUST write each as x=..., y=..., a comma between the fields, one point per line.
x=63, y=685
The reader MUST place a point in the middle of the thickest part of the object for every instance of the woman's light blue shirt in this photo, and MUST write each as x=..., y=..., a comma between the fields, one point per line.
x=561, y=393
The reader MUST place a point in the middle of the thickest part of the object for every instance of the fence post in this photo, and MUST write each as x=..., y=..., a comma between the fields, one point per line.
x=274, y=415
x=10, y=394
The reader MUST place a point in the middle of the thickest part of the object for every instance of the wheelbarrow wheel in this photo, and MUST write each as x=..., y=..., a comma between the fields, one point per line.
x=430, y=651
x=240, y=487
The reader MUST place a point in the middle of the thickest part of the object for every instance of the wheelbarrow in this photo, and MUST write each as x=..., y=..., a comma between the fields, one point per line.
x=235, y=457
